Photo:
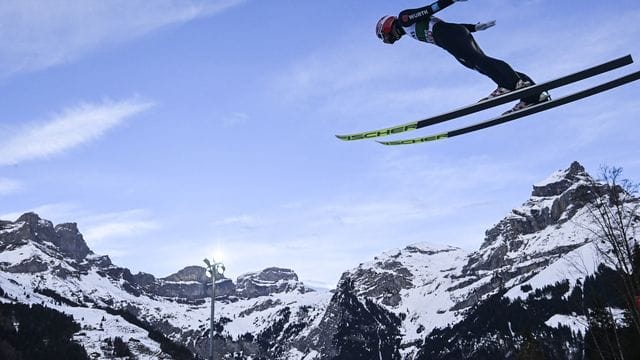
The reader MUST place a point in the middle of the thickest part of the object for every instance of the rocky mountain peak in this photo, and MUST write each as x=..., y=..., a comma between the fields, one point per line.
x=420, y=265
x=561, y=181
x=189, y=273
x=30, y=226
x=70, y=241
x=554, y=202
x=275, y=274
x=269, y=281
x=32, y=219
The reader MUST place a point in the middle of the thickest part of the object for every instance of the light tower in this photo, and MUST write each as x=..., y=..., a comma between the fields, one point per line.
x=216, y=271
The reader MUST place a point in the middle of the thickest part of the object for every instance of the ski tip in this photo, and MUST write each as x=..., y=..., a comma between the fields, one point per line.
x=380, y=133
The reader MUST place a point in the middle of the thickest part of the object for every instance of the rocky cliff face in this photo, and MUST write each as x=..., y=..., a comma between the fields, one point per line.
x=269, y=281
x=191, y=283
x=63, y=242
x=553, y=203
x=30, y=227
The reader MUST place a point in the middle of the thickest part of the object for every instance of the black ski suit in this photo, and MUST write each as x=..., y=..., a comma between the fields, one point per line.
x=458, y=41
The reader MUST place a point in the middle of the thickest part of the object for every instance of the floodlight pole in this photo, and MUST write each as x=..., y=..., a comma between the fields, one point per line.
x=214, y=268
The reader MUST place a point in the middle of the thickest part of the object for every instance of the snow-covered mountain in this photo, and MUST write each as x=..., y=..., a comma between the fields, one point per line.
x=404, y=304
x=45, y=264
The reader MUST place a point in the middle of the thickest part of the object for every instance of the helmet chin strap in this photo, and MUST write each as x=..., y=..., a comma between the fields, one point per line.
x=396, y=32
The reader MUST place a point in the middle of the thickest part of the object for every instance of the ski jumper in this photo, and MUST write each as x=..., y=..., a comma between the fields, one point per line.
x=456, y=39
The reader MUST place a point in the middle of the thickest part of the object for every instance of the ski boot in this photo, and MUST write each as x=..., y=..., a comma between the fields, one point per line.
x=497, y=92
x=544, y=96
x=501, y=91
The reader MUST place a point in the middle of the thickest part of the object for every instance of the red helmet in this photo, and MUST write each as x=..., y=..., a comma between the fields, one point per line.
x=385, y=27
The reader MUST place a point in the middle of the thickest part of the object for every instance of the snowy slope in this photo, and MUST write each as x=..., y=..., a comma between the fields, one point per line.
x=541, y=242
x=415, y=282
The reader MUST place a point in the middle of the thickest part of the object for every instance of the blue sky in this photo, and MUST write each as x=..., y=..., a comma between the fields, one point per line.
x=172, y=130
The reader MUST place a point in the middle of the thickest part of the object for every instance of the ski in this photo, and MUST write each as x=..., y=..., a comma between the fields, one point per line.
x=522, y=113
x=499, y=100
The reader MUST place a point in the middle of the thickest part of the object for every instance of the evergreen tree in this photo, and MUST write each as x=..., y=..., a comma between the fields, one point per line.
x=531, y=349
x=33, y=332
x=120, y=348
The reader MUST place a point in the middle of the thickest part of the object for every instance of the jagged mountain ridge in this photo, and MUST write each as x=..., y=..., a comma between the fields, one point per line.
x=402, y=294
x=65, y=242
x=534, y=245
x=42, y=263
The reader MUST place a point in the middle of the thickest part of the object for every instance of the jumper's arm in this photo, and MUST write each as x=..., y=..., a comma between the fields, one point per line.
x=411, y=16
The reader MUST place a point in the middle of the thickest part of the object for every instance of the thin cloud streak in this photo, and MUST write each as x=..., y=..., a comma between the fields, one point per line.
x=244, y=221
x=55, y=212
x=331, y=84
x=576, y=44
x=106, y=227
x=119, y=229
x=74, y=126
x=37, y=35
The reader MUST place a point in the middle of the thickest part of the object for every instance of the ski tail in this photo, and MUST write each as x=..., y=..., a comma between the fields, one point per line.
x=522, y=113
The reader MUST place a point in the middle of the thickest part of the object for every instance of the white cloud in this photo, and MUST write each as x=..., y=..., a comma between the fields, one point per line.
x=9, y=186
x=593, y=121
x=106, y=227
x=380, y=213
x=552, y=48
x=73, y=127
x=39, y=34
x=55, y=212
x=320, y=239
x=234, y=119
x=367, y=68
x=123, y=228
x=245, y=221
